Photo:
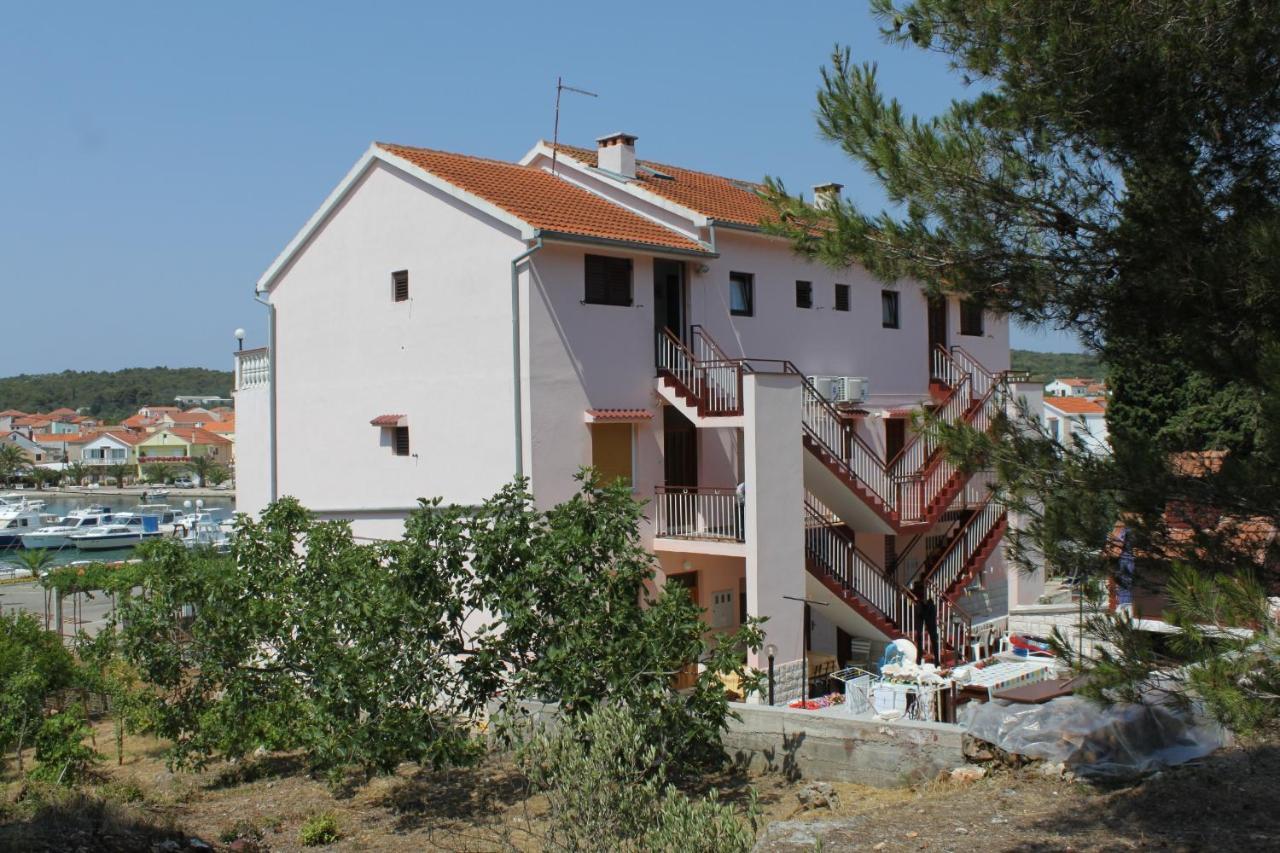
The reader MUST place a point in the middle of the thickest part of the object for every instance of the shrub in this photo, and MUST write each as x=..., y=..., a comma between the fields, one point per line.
x=60, y=748
x=605, y=790
x=319, y=830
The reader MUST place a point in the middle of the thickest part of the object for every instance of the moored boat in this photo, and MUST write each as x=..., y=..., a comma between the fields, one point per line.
x=18, y=519
x=58, y=535
x=125, y=531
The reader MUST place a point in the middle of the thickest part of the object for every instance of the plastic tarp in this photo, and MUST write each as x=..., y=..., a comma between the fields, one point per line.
x=1119, y=741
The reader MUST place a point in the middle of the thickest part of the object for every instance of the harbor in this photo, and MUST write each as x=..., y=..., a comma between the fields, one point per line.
x=47, y=510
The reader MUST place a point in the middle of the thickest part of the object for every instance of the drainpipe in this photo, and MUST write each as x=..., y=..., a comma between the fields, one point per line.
x=517, y=413
x=271, y=392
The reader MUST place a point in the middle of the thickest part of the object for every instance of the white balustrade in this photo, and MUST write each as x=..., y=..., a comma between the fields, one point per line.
x=253, y=368
x=698, y=513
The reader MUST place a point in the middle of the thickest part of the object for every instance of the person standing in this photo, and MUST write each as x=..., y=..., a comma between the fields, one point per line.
x=926, y=623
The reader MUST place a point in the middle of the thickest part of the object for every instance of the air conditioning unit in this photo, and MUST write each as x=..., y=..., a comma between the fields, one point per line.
x=849, y=389
x=825, y=386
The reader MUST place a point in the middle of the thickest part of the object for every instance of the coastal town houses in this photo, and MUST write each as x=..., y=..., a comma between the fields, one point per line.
x=33, y=452
x=1071, y=419
x=482, y=319
x=181, y=444
x=115, y=447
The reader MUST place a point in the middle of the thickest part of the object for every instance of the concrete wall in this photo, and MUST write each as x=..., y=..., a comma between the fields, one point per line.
x=1040, y=620
x=774, y=510
x=346, y=352
x=803, y=744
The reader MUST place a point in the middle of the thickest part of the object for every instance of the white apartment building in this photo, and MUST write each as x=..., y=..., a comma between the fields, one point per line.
x=444, y=323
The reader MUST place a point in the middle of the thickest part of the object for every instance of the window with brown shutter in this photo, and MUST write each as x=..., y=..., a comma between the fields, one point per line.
x=402, y=441
x=842, y=297
x=971, y=318
x=400, y=286
x=804, y=294
x=608, y=280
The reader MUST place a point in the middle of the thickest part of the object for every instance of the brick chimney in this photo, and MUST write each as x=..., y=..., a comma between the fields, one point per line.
x=617, y=153
x=826, y=195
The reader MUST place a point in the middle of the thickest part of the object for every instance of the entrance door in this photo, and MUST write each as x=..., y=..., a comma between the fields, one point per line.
x=668, y=297
x=680, y=449
x=937, y=327
x=895, y=437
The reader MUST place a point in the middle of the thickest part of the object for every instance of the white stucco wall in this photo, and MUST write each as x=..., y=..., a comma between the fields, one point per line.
x=346, y=352
x=252, y=474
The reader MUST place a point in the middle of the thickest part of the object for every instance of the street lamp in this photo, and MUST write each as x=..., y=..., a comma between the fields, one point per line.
x=771, y=650
x=240, y=338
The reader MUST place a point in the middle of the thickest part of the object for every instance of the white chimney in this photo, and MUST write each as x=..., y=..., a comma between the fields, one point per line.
x=826, y=195
x=617, y=153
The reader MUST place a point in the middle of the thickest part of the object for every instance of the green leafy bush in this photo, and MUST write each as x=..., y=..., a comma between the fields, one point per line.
x=63, y=756
x=605, y=787
x=319, y=830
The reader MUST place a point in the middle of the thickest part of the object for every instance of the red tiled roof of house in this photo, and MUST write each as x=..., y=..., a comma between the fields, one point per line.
x=1075, y=381
x=63, y=412
x=184, y=418
x=12, y=413
x=719, y=198
x=1076, y=405
x=61, y=437
x=220, y=427
x=542, y=200
x=32, y=421
x=387, y=421
x=137, y=421
x=123, y=435
x=195, y=435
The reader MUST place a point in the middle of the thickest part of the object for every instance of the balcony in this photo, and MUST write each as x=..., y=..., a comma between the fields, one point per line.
x=684, y=516
x=253, y=368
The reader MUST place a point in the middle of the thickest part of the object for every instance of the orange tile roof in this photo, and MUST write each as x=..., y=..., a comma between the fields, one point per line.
x=195, y=435
x=542, y=200
x=138, y=421
x=220, y=427
x=12, y=413
x=618, y=415
x=125, y=436
x=719, y=198
x=189, y=418
x=32, y=421
x=61, y=437
x=1076, y=405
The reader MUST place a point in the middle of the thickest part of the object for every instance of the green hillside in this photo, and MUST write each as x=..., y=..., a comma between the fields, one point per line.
x=1044, y=366
x=111, y=394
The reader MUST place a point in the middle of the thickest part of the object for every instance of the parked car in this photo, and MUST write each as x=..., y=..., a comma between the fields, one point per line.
x=184, y=483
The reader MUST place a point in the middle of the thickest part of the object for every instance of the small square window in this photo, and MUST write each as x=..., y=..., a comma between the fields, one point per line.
x=842, y=297
x=889, y=309
x=400, y=286
x=741, y=294
x=608, y=280
x=804, y=294
x=401, y=442
x=971, y=318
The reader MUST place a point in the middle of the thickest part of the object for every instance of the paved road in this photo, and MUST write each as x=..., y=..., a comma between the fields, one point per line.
x=93, y=612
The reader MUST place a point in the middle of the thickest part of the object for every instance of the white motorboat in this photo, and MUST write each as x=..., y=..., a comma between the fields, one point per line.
x=125, y=531
x=17, y=519
x=167, y=517
x=208, y=533
x=58, y=535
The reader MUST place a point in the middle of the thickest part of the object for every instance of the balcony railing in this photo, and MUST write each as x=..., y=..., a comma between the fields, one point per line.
x=253, y=368
x=698, y=513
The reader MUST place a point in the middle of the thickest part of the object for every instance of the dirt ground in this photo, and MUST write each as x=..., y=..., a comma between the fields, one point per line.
x=1228, y=802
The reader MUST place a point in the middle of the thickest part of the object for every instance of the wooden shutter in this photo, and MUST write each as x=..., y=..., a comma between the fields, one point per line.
x=400, y=286
x=842, y=297
x=608, y=280
x=402, y=441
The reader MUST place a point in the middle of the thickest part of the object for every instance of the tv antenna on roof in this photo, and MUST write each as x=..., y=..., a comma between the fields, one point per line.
x=555, y=134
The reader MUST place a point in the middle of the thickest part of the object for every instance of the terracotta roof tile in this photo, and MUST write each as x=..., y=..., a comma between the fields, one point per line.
x=720, y=198
x=542, y=200
x=61, y=437
x=387, y=421
x=195, y=435
x=620, y=415
x=1076, y=405
x=12, y=413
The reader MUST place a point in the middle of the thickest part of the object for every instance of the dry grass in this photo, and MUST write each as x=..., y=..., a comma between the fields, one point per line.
x=1226, y=804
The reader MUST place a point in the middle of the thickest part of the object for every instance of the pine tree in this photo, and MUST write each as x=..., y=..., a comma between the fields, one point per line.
x=1115, y=173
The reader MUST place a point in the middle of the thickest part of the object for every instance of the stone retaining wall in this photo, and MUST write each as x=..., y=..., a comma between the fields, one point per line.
x=808, y=745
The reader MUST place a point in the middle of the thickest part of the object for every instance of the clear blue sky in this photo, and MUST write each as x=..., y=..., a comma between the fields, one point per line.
x=159, y=155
